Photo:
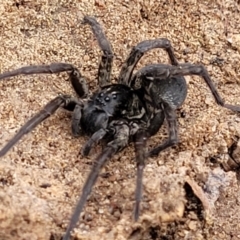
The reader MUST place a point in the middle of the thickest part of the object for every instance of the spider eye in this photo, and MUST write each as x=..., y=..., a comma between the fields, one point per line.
x=114, y=96
x=75, y=73
x=107, y=99
x=101, y=94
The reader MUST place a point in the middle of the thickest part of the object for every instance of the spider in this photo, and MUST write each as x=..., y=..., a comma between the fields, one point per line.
x=132, y=110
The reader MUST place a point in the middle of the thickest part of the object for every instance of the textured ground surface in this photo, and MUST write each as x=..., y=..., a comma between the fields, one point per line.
x=42, y=176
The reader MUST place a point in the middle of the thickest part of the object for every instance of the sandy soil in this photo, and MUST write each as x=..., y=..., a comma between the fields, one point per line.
x=187, y=194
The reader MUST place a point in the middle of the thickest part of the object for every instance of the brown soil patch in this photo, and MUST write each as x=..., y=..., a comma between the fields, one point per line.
x=42, y=176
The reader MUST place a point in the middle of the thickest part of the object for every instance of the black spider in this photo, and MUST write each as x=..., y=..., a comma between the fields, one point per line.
x=131, y=110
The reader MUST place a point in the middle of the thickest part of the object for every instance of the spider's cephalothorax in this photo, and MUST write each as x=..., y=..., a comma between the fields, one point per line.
x=111, y=102
x=131, y=110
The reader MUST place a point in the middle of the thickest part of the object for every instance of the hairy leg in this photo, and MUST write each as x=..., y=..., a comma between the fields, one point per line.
x=140, y=141
x=170, y=116
x=47, y=111
x=156, y=122
x=95, y=138
x=105, y=66
x=76, y=119
x=78, y=82
x=120, y=141
x=138, y=51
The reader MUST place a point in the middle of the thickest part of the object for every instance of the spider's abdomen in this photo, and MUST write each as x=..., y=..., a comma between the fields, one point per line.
x=171, y=90
x=156, y=89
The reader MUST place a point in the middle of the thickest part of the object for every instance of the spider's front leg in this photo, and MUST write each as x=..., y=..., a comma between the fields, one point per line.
x=64, y=101
x=78, y=82
x=138, y=51
x=120, y=140
x=140, y=142
x=95, y=138
x=105, y=66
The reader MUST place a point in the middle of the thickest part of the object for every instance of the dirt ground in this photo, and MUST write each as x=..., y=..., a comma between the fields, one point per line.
x=187, y=192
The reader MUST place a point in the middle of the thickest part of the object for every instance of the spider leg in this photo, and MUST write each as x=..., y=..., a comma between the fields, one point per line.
x=47, y=111
x=78, y=82
x=200, y=70
x=120, y=141
x=156, y=122
x=156, y=71
x=138, y=51
x=76, y=118
x=105, y=66
x=95, y=138
x=170, y=115
x=140, y=141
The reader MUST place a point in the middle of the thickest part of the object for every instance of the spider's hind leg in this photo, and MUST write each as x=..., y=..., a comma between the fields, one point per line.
x=171, y=118
x=105, y=66
x=200, y=70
